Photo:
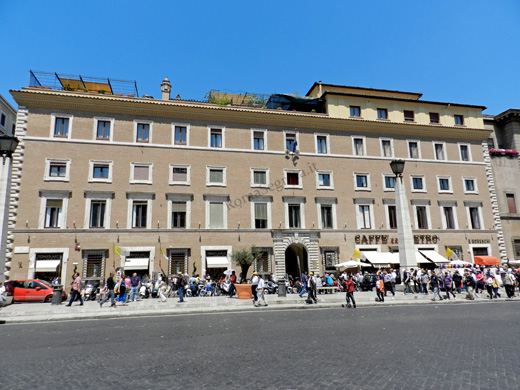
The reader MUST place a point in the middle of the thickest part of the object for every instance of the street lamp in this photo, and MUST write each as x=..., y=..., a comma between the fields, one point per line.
x=407, y=257
x=8, y=145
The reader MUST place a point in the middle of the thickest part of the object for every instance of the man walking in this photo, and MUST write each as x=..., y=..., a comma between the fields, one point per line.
x=76, y=290
x=434, y=281
x=260, y=291
x=136, y=283
x=254, y=287
x=311, y=288
x=349, y=285
x=407, y=280
x=181, y=282
x=304, y=284
x=110, y=287
x=470, y=285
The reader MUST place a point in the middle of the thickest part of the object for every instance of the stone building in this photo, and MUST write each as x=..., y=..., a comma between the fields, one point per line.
x=115, y=181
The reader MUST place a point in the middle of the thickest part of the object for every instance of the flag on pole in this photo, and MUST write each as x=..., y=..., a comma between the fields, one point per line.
x=357, y=253
x=449, y=253
x=162, y=252
x=117, y=250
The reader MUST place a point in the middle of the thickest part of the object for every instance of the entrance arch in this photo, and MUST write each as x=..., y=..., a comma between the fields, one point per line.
x=296, y=260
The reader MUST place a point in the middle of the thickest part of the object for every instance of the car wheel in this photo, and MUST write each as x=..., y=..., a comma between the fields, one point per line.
x=48, y=299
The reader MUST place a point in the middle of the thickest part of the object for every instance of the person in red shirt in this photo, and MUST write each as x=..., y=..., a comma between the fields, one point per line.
x=76, y=290
x=350, y=287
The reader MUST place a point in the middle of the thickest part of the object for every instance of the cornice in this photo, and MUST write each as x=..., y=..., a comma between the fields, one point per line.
x=186, y=110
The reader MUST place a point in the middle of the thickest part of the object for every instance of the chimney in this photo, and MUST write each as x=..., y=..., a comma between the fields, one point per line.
x=166, y=88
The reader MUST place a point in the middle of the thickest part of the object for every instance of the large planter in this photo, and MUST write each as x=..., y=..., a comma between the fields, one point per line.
x=244, y=291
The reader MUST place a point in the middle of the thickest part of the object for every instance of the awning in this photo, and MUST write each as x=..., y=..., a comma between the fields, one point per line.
x=47, y=265
x=434, y=257
x=486, y=260
x=133, y=264
x=217, y=262
x=381, y=259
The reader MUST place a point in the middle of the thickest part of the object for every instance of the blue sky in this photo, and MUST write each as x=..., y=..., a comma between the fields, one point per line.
x=451, y=51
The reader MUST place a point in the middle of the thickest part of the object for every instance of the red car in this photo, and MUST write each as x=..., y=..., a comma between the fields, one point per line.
x=31, y=290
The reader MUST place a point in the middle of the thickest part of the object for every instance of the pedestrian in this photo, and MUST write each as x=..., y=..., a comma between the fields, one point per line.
x=304, y=284
x=122, y=290
x=254, y=287
x=232, y=282
x=380, y=289
x=135, y=281
x=349, y=286
x=447, y=281
x=457, y=281
x=311, y=288
x=181, y=283
x=76, y=290
x=489, y=285
x=110, y=287
x=495, y=287
x=260, y=290
x=508, y=283
x=425, y=281
x=128, y=285
x=407, y=280
x=480, y=282
x=470, y=285
x=387, y=278
x=435, y=283
x=162, y=290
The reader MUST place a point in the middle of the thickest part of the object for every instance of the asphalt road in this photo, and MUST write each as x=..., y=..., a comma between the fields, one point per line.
x=417, y=347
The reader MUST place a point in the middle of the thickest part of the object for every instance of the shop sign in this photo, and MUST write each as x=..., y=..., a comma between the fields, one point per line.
x=370, y=239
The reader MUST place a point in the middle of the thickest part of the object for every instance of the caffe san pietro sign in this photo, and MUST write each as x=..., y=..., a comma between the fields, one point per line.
x=384, y=239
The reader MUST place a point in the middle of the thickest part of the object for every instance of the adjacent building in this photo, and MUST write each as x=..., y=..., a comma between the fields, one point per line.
x=110, y=180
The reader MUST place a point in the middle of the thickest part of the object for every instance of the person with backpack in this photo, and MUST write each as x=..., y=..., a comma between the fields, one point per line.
x=181, y=283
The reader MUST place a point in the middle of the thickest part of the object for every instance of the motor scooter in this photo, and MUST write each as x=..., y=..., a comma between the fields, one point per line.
x=90, y=292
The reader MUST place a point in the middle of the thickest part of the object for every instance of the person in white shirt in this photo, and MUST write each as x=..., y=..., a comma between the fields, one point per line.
x=254, y=287
x=260, y=292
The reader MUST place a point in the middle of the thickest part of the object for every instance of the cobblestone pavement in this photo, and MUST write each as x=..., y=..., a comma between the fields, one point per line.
x=431, y=346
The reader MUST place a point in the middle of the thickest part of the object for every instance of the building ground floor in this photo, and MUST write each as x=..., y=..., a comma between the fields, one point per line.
x=284, y=252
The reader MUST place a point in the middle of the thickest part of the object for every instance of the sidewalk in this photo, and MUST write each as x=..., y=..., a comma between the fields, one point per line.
x=37, y=312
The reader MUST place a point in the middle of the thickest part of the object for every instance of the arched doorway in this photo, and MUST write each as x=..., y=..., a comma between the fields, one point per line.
x=296, y=260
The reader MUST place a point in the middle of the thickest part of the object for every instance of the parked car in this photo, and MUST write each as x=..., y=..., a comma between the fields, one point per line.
x=31, y=290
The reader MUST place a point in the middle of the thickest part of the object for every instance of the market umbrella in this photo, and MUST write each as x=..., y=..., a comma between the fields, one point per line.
x=486, y=260
x=349, y=264
x=459, y=262
x=228, y=271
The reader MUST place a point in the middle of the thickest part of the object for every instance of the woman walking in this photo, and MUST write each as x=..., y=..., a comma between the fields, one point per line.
x=380, y=289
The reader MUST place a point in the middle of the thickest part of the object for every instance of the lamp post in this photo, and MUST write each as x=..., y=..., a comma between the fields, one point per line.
x=8, y=145
x=407, y=257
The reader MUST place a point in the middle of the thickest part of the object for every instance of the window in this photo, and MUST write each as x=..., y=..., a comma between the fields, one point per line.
x=53, y=213
x=358, y=146
x=408, y=116
x=3, y=118
x=516, y=248
x=444, y=184
x=362, y=181
x=178, y=260
x=355, y=111
x=464, y=152
x=97, y=213
x=449, y=220
x=216, y=176
x=291, y=142
x=100, y=171
x=511, y=204
x=439, y=151
x=392, y=217
x=142, y=132
x=324, y=180
x=260, y=210
x=382, y=113
x=294, y=216
x=139, y=214
x=259, y=139
x=61, y=127
x=418, y=184
x=292, y=179
x=386, y=148
x=474, y=217
x=389, y=182
x=364, y=217
x=413, y=149
x=180, y=135
x=326, y=216
x=321, y=144
x=459, y=120
x=141, y=173
x=57, y=170
x=470, y=185
x=93, y=264
x=434, y=117
x=259, y=177
x=179, y=174
x=103, y=129
x=216, y=138
x=178, y=214
x=422, y=217
x=216, y=215
x=53, y=209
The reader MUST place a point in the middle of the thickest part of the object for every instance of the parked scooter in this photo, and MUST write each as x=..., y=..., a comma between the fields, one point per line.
x=90, y=292
x=271, y=287
x=145, y=290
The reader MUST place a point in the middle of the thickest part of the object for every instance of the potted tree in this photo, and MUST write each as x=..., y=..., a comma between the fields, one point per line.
x=244, y=258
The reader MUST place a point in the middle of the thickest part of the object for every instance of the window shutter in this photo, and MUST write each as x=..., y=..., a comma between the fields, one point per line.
x=179, y=207
x=141, y=172
x=216, y=215
x=261, y=211
x=216, y=176
x=180, y=174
